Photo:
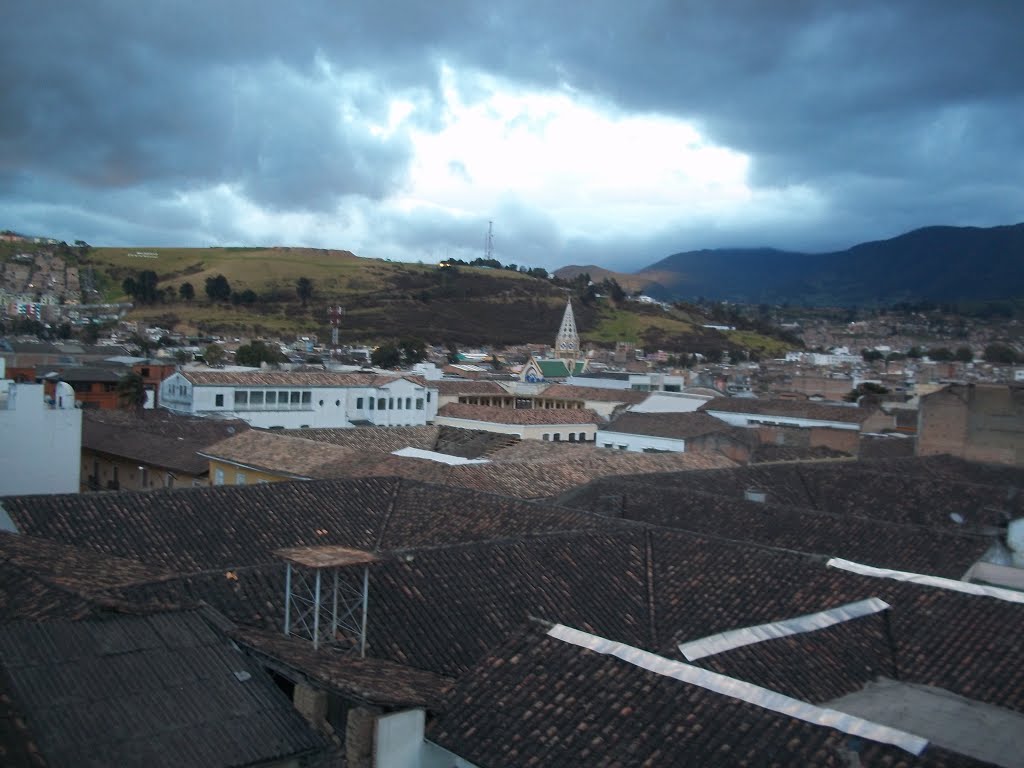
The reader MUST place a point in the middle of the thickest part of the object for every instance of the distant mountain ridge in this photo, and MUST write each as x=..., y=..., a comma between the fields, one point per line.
x=938, y=263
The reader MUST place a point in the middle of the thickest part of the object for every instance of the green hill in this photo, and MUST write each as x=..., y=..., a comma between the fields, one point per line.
x=384, y=300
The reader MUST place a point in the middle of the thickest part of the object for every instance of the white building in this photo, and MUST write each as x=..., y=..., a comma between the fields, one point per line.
x=42, y=441
x=293, y=400
x=642, y=382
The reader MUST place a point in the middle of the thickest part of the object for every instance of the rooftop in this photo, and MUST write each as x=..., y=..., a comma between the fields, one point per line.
x=523, y=416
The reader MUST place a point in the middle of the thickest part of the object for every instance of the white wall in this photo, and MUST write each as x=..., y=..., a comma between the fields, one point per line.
x=638, y=443
x=329, y=407
x=41, y=447
x=671, y=402
x=757, y=420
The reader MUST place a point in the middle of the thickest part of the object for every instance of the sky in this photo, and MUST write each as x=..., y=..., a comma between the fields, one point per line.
x=599, y=132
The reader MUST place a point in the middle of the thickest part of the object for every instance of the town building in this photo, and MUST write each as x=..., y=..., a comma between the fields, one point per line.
x=42, y=438
x=574, y=425
x=292, y=400
x=676, y=432
x=567, y=358
x=980, y=422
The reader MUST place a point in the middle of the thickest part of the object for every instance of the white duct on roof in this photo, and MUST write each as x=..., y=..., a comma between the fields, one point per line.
x=738, y=689
x=737, y=638
x=931, y=581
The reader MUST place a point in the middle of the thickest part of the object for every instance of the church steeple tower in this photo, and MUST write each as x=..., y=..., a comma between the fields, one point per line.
x=567, y=343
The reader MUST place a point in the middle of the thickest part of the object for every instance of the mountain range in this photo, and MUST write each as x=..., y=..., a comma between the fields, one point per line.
x=942, y=264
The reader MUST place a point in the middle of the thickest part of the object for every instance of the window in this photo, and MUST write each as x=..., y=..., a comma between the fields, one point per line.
x=391, y=403
x=372, y=403
x=241, y=398
x=609, y=445
x=218, y=477
x=545, y=436
x=399, y=403
x=256, y=399
x=359, y=403
x=419, y=403
x=428, y=395
x=572, y=437
x=218, y=401
x=558, y=437
x=145, y=373
x=408, y=403
x=307, y=398
x=282, y=398
x=583, y=437
x=272, y=398
x=239, y=478
x=381, y=403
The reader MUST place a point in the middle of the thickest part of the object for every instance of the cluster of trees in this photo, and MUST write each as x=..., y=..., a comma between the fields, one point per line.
x=407, y=351
x=995, y=352
x=144, y=288
x=538, y=272
x=256, y=353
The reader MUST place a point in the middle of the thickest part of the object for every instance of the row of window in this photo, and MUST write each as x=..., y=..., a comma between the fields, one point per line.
x=270, y=400
x=389, y=403
x=557, y=437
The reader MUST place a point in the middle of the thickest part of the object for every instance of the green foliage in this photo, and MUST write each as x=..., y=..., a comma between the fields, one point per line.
x=247, y=297
x=214, y=355
x=1000, y=353
x=964, y=354
x=940, y=354
x=386, y=356
x=413, y=350
x=187, y=291
x=143, y=287
x=131, y=391
x=218, y=288
x=304, y=289
x=865, y=388
x=257, y=353
x=871, y=355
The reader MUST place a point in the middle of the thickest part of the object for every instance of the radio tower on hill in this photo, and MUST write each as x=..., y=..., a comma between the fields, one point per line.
x=489, y=241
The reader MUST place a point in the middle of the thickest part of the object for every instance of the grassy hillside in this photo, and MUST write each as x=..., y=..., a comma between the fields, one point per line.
x=382, y=300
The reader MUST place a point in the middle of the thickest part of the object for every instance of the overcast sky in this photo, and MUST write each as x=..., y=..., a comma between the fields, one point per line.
x=607, y=133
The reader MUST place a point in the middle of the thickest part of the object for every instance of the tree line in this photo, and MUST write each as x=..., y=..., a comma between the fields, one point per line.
x=144, y=288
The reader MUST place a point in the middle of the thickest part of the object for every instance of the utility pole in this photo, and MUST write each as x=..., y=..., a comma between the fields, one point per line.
x=489, y=242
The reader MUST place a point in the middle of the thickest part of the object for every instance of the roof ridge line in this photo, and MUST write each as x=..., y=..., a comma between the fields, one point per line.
x=387, y=515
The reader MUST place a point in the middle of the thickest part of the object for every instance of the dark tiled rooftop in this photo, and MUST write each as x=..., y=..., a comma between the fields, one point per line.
x=222, y=527
x=158, y=437
x=678, y=426
x=165, y=689
x=596, y=394
x=542, y=701
x=795, y=408
x=536, y=416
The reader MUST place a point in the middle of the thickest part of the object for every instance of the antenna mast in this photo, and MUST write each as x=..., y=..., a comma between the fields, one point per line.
x=489, y=242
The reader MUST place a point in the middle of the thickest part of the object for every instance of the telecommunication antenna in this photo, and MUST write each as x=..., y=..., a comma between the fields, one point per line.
x=489, y=242
x=335, y=314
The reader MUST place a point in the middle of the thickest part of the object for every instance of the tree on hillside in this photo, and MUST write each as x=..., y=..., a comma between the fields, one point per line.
x=386, y=356
x=131, y=391
x=218, y=288
x=1000, y=353
x=187, y=291
x=214, y=355
x=304, y=289
x=865, y=388
x=413, y=350
x=964, y=354
x=257, y=353
x=142, y=287
x=940, y=354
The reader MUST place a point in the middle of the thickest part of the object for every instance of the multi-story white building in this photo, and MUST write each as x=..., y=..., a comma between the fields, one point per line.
x=293, y=400
x=42, y=440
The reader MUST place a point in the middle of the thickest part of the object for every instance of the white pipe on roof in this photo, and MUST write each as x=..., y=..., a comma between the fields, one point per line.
x=738, y=689
x=931, y=581
x=737, y=638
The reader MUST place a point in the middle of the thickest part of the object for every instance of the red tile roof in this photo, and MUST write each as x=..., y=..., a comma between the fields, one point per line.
x=526, y=416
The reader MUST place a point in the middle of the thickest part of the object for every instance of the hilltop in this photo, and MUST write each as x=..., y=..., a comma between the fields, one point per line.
x=942, y=264
x=459, y=304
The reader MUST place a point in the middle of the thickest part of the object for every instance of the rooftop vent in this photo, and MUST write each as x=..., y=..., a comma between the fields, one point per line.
x=755, y=494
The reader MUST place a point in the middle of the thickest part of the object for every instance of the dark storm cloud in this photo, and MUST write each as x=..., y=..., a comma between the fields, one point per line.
x=114, y=115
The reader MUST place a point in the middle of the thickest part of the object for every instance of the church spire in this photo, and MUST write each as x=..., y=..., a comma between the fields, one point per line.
x=567, y=343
